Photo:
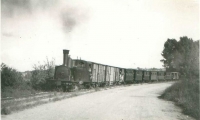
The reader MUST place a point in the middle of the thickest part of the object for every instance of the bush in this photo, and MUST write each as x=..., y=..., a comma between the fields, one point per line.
x=41, y=74
x=5, y=111
x=185, y=93
x=13, y=84
x=10, y=77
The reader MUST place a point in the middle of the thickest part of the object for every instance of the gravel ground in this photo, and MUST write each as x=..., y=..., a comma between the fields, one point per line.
x=135, y=102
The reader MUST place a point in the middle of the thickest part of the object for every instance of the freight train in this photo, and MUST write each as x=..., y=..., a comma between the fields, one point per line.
x=80, y=73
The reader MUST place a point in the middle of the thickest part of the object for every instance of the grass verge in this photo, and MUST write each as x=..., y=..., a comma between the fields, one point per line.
x=185, y=93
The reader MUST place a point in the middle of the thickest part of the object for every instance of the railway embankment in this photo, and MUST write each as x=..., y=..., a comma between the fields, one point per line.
x=185, y=93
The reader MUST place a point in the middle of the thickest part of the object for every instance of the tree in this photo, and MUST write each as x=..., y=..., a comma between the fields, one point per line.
x=41, y=73
x=170, y=47
x=10, y=77
x=182, y=56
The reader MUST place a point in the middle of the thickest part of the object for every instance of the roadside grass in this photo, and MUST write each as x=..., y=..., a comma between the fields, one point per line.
x=185, y=93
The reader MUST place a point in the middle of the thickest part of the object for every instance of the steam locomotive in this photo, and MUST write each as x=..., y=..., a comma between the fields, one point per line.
x=80, y=73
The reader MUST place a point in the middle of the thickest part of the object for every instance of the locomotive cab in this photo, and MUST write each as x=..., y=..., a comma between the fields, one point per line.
x=81, y=71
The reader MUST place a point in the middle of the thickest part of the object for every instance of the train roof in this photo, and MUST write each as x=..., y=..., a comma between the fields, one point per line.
x=147, y=70
x=98, y=63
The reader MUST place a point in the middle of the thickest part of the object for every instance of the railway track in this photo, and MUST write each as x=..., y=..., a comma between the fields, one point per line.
x=41, y=94
x=37, y=95
x=24, y=97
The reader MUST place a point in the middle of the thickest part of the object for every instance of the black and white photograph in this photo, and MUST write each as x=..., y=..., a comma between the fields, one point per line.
x=100, y=60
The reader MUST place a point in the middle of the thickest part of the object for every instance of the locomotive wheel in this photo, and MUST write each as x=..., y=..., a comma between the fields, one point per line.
x=76, y=88
x=64, y=88
x=58, y=88
x=87, y=86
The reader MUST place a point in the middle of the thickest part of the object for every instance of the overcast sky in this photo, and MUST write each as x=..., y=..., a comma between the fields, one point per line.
x=123, y=33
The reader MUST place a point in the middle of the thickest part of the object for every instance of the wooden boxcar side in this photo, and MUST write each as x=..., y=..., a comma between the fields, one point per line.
x=138, y=75
x=161, y=75
x=108, y=70
x=122, y=75
x=117, y=77
x=175, y=75
x=154, y=76
x=168, y=76
x=112, y=75
x=94, y=72
x=129, y=75
x=146, y=76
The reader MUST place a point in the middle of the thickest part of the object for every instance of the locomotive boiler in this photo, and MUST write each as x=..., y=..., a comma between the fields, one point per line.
x=63, y=78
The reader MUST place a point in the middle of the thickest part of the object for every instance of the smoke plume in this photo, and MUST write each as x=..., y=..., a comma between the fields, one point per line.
x=71, y=17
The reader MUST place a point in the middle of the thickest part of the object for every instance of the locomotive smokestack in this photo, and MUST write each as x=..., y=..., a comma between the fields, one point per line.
x=65, y=57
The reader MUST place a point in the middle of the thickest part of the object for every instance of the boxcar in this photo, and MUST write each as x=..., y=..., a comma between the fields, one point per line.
x=168, y=76
x=146, y=77
x=161, y=75
x=175, y=75
x=117, y=77
x=101, y=74
x=112, y=75
x=154, y=76
x=94, y=73
x=107, y=76
x=98, y=74
x=121, y=75
x=138, y=76
x=129, y=76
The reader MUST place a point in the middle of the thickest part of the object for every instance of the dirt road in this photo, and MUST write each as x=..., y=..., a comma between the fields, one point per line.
x=135, y=102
